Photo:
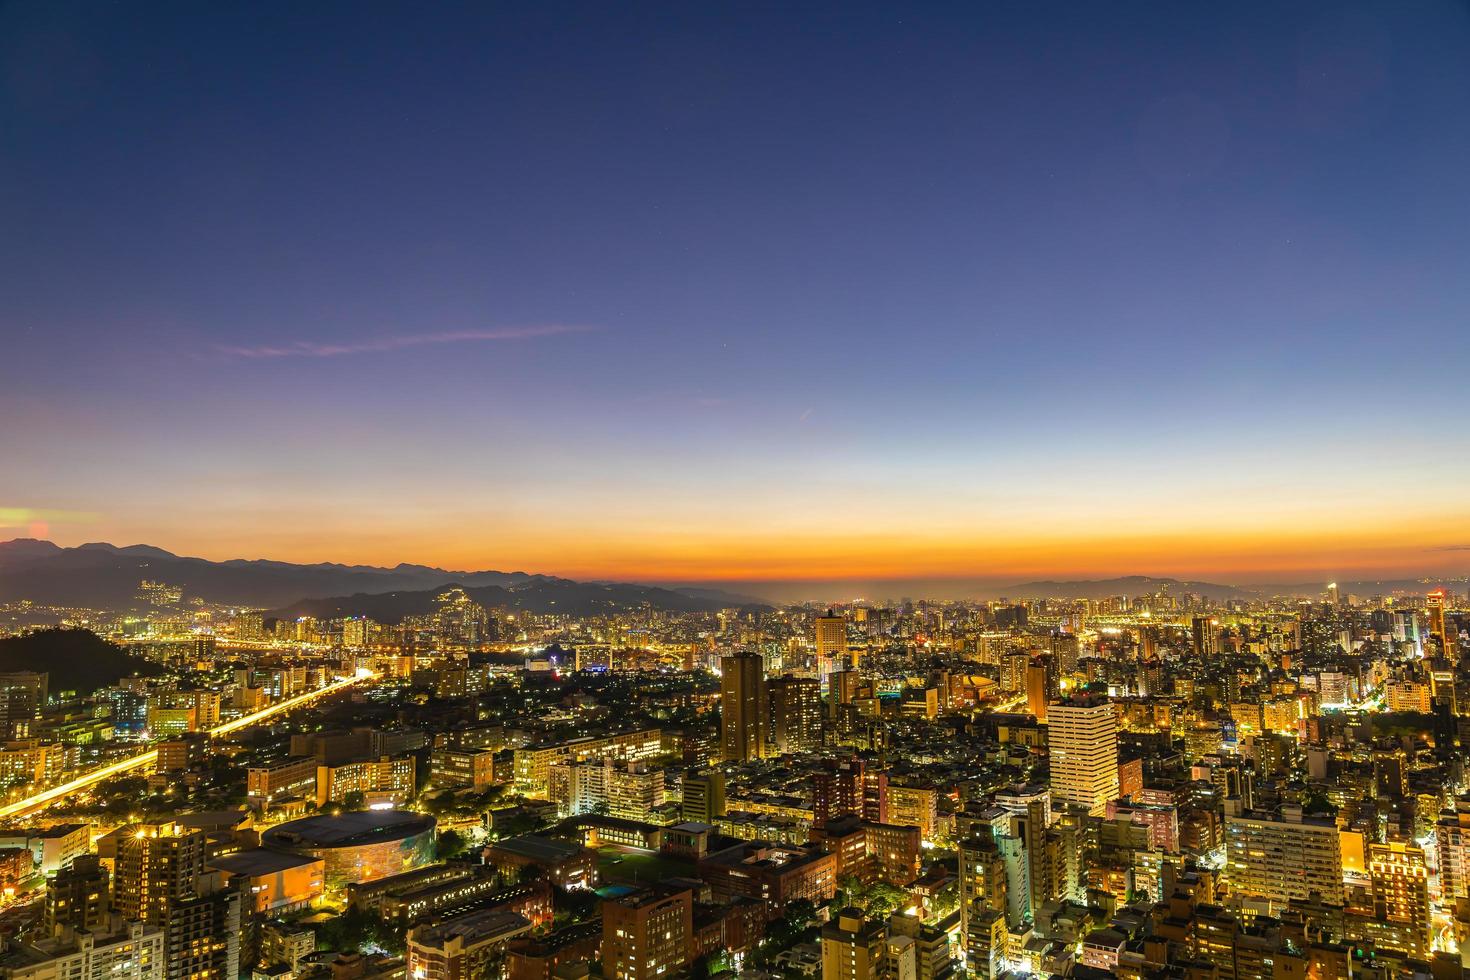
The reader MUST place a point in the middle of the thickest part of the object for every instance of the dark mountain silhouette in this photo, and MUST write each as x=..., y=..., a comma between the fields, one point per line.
x=106, y=576
x=103, y=575
x=76, y=659
x=1129, y=585
x=542, y=596
x=1136, y=585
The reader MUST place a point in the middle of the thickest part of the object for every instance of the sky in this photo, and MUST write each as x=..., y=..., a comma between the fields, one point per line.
x=742, y=292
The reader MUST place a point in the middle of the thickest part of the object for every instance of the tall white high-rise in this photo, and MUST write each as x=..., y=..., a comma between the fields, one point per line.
x=1082, y=739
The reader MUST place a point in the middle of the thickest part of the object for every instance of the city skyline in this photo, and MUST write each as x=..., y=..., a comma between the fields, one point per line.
x=969, y=293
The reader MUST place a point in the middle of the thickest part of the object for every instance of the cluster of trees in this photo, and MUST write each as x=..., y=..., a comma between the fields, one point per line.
x=879, y=900
x=359, y=930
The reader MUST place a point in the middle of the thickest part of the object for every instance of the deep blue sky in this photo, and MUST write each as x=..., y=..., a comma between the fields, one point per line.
x=663, y=289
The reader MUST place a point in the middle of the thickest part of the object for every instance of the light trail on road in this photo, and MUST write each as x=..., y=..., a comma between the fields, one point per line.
x=49, y=796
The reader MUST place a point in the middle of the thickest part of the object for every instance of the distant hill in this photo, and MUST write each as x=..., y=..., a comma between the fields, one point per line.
x=106, y=576
x=1129, y=585
x=1135, y=585
x=76, y=659
x=543, y=596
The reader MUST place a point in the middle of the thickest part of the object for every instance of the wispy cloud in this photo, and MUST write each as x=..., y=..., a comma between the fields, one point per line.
x=1451, y=547
x=378, y=345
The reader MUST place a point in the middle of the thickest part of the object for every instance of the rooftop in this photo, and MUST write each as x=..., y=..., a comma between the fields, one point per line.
x=350, y=829
x=473, y=927
x=260, y=861
x=546, y=850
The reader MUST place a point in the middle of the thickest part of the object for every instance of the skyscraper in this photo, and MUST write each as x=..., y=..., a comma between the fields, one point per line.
x=744, y=711
x=1401, y=890
x=796, y=714
x=831, y=640
x=1439, y=626
x=159, y=879
x=982, y=888
x=1038, y=687
x=1205, y=636
x=22, y=693
x=1083, y=743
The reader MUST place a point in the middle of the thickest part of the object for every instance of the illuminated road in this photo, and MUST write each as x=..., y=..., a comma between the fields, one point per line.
x=49, y=796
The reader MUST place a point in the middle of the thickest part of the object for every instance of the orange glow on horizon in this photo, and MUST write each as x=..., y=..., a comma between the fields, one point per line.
x=804, y=554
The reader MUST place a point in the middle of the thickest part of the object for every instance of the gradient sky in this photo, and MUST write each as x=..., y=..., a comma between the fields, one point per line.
x=741, y=291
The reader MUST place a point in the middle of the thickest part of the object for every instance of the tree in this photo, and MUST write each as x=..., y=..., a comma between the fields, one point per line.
x=451, y=844
x=884, y=899
x=851, y=892
x=946, y=901
x=358, y=930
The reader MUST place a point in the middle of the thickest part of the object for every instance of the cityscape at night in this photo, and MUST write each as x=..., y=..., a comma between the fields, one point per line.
x=784, y=491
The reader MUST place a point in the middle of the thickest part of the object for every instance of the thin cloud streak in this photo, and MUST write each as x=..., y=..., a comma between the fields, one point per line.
x=379, y=345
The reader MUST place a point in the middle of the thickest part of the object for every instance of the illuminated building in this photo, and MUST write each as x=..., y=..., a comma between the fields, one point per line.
x=30, y=761
x=165, y=721
x=1407, y=695
x=159, y=878
x=703, y=799
x=1038, y=687
x=564, y=864
x=744, y=709
x=272, y=882
x=1283, y=858
x=384, y=780
x=462, y=767
x=1082, y=742
x=1400, y=877
x=831, y=643
x=1205, y=636
x=796, y=714
x=647, y=934
x=1439, y=625
x=463, y=946
x=626, y=790
x=292, y=777
x=776, y=874
x=533, y=762
x=854, y=947
x=848, y=788
x=1406, y=630
x=914, y=806
x=22, y=694
x=933, y=960
x=116, y=950
x=80, y=896
x=896, y=850
x=159, y=593
x=459, y=621
x=1452, y=839
x=359, y=846
x=357, y=632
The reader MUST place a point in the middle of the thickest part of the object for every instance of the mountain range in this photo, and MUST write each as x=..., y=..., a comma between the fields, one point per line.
x=106, y=576
x=1137, y=585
